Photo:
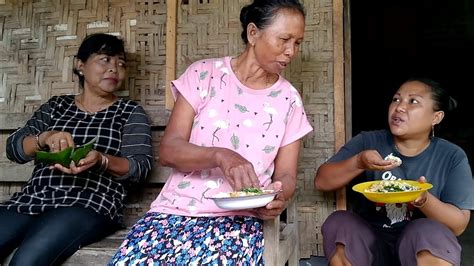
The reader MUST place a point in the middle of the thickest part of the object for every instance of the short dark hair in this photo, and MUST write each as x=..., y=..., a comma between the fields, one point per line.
x=261, y=12
x=442, y=100
x=99, y=43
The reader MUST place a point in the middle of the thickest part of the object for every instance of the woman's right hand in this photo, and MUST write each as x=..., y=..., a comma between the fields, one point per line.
x=371, y=160
x=93, y=158
x=56, y=140
x=238, y=171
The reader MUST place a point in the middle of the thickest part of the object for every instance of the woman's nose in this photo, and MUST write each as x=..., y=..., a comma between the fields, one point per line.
x=113, y=67
x=290, y=51
x=401, y=107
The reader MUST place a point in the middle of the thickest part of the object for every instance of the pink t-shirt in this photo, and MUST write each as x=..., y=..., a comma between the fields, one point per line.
x=254, y=123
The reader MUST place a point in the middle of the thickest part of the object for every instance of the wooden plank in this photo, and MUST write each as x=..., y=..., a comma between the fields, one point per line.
x=338, y=58
x=12, y=121
x=13, y=172
x=348, y=68
x=171, y=22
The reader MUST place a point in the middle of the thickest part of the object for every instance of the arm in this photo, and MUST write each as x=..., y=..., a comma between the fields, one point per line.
x=284, y=178
x=136, y=150
x=21, y=144
x=286, y=167
x=334, y=175
x=445, y=213
x=177, y=152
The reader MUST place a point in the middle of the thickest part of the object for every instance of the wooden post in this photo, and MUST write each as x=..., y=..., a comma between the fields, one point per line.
x=171, y=25
x=339, y=116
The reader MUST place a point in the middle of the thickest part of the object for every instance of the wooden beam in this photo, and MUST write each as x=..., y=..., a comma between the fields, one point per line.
x=338, y=59
x=13, y=121
x=171, y=25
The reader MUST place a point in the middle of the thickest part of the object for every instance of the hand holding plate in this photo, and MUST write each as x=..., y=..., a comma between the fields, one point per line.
x=276, y=206
x=422, y=199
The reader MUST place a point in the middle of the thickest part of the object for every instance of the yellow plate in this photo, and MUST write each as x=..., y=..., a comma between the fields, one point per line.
x=392, y=197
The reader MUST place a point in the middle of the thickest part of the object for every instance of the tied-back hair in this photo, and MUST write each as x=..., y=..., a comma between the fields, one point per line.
x=261, y=13
x=99, y=43
x=442, y=100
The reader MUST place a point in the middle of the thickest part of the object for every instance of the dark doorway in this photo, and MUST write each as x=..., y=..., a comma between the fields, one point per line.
x=395, y=40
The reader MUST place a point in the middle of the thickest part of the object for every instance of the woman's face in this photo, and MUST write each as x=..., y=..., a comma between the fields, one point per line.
x=279, y=42
x=103, y=73
x=411, y=113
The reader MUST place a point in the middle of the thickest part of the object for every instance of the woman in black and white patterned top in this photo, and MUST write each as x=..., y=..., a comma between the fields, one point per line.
x=62, y=208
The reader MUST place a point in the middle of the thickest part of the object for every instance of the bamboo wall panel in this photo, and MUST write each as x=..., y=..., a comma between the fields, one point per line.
x=38, y=41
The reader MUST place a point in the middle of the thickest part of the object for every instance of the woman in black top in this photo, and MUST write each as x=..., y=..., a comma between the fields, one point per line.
x=63, y=208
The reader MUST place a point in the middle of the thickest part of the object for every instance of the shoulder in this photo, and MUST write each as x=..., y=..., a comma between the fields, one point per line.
x=208, y=63
x=60, y=100
x=374, y=135
x=131, y=106
x=448, y=148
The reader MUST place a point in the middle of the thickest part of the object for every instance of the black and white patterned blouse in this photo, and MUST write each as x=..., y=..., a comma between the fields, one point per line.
x=123, y=129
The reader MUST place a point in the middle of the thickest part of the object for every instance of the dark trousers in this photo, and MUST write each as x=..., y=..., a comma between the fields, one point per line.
x=52, y=237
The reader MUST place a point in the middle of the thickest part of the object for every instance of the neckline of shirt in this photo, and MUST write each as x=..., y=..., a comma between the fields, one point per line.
x=245, y=88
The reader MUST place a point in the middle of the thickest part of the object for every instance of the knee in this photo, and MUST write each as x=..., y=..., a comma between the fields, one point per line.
x=427, y=239
x=335, y=221
x=425, y=229
x=345, y=222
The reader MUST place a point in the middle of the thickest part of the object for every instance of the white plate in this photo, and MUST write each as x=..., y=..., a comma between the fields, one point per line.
x=225, y=201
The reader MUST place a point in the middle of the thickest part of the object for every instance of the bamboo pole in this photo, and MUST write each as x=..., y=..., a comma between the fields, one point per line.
x=171, y=22
x=339, y=117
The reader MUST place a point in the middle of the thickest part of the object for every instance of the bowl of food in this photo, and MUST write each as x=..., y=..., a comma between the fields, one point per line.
x=392, y=191
x=247, y=198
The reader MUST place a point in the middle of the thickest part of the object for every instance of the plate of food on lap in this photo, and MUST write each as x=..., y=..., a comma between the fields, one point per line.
x=392, y=191
x=247, y=198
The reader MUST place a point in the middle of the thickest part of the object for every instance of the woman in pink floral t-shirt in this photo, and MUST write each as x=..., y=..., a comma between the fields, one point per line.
x=236, y=123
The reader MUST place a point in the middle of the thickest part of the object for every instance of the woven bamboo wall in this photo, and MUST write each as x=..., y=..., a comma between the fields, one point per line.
x=38, y=40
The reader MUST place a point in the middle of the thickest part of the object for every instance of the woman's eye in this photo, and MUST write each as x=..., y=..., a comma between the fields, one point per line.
x=394, y=100
x=122, y=64
x=414, y=101
x=105, y=59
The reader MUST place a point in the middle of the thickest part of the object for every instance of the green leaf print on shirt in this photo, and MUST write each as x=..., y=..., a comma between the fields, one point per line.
x=184, y=184
x=268, y=149
x=235, y=141
x=268, y=172
x=203, y=75
x=241, y=108
x=274, y=94
x=239, y=90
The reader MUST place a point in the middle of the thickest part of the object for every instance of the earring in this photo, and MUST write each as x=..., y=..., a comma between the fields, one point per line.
x=80, y=73
x=432, y=131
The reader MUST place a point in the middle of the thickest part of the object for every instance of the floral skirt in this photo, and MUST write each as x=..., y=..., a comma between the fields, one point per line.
x=164, y=239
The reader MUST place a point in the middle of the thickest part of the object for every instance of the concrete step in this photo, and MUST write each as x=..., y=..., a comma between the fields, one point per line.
x=98, y=253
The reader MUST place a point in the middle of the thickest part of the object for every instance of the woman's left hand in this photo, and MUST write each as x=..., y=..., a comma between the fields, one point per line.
x=276, y=206
x=421, y=200
x=92, y=158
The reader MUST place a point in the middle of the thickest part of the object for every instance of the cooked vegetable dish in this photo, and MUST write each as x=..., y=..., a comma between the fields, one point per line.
x=391, y=186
